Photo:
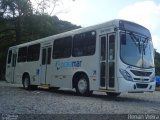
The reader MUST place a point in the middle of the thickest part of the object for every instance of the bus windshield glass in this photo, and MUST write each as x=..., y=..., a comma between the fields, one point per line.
x=136, y=50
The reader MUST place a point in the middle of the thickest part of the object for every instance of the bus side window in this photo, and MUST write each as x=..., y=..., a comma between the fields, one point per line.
x=33, y=52
x=9, y=56
x=22, y=54
x=103, y=48
x=62, y=48
x=84, y=44
x=123, y=39
x=43, y=56
x=14, y=58
x=49, y=56
x=111, y=47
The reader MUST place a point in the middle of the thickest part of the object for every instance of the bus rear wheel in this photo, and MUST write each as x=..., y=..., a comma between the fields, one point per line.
x=112, y=94
x=82, y=86
x=26, y=82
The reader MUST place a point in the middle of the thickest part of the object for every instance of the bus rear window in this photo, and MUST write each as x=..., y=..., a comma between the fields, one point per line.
x=9, y=56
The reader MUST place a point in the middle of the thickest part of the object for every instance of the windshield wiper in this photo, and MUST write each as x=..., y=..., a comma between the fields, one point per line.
x=145, y=43
x=137, y=41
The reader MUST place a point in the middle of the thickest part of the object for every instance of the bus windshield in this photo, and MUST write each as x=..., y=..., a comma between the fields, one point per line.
x=136, y=50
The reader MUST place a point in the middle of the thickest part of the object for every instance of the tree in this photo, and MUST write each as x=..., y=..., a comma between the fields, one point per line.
x=43, y=5
x=157, y=63
x=48, y=6
x=19, y=24
x=14, y=11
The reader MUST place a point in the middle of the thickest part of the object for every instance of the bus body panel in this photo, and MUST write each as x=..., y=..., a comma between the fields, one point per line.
x=103, y=74
x=64, y=70
x=140, y=83
x=11, y=65
x=128, y=86
x=31, y=69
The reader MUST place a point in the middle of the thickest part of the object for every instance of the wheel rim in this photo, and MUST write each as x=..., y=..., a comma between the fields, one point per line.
x=82, y=86
x=26, y=83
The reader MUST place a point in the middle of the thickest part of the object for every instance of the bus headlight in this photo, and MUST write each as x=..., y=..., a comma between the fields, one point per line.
x=126, y=75
x=152, y=79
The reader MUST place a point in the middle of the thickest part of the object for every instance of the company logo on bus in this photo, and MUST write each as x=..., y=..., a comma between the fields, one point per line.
x=71, y=64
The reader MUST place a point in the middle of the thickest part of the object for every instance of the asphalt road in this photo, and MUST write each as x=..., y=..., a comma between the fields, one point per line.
x=14, y=100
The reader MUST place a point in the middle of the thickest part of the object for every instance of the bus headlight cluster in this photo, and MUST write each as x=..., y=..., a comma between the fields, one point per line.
x=152, y=79
x=126, y=75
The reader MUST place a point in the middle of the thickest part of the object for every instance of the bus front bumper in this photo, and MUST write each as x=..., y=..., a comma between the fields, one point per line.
x=130, y=86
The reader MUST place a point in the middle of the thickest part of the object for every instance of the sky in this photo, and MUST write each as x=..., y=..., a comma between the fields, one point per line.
x=91, y=12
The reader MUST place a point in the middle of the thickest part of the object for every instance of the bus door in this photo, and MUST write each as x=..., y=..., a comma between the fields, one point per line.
x=11, y=64
x=45, y=62
x=107, y=61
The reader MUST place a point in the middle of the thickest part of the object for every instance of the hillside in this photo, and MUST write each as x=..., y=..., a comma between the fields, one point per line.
x=32, y=28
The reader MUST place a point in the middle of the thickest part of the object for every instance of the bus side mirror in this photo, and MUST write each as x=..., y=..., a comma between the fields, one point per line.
x=123, y=39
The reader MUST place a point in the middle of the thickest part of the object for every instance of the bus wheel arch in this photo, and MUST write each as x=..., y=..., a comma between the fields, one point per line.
x=26, y=81
x=81, y=78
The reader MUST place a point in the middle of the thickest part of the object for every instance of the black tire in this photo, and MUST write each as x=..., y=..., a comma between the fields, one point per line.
x=82, y=85
x=54, y=88
x=33, y=87
x=26, y=82
x=112, y=94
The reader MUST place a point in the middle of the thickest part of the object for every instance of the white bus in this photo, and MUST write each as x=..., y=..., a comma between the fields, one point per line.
x=114, y=57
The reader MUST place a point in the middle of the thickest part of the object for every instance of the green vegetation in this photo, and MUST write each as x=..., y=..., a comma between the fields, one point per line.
x=20, y=23
x=157, y=63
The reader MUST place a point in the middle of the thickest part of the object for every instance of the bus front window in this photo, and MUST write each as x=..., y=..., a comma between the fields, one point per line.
x=136, y=50
x=148, y=54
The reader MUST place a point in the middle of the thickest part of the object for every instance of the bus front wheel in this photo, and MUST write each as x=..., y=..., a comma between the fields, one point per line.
x=82, y=86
